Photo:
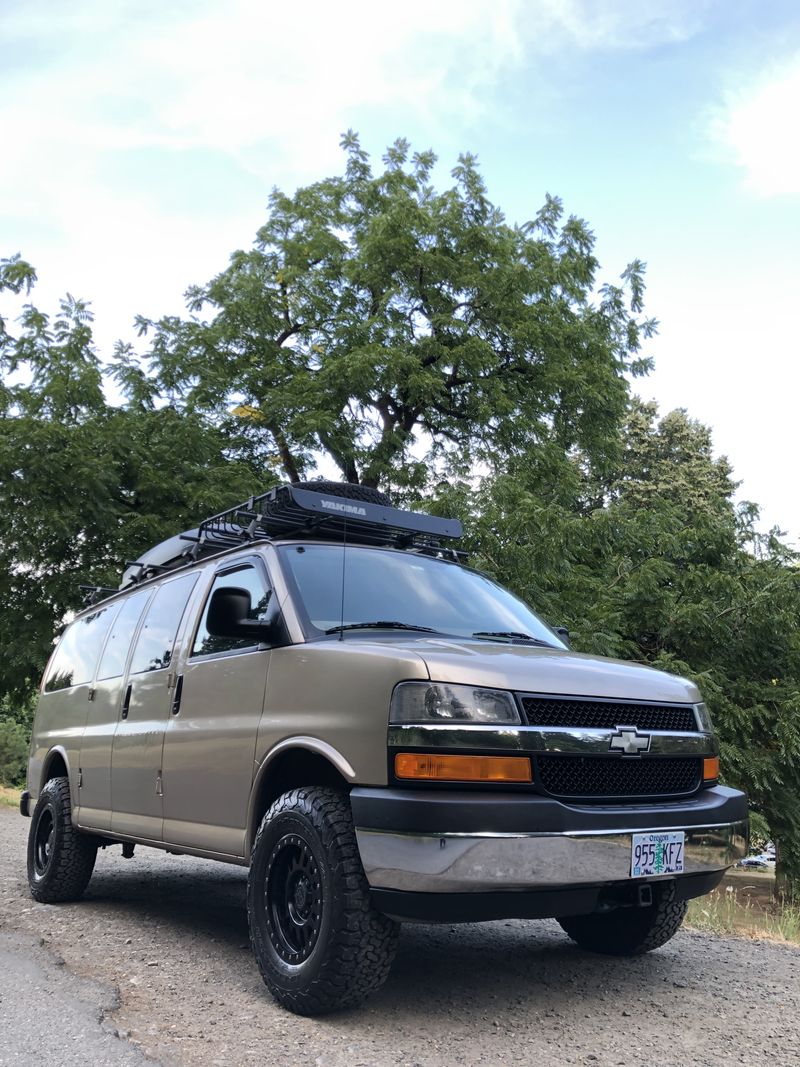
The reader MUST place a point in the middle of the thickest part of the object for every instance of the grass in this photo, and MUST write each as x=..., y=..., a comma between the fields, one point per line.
x=743, y=906
x=9, y=798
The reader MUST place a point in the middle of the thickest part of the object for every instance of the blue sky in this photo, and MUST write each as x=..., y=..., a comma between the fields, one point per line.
x=140, y=141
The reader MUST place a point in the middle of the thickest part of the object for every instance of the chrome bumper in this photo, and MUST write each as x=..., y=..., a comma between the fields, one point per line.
x=467, y=863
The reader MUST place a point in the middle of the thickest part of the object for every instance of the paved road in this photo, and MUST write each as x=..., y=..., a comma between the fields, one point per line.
x=166, y=938
x=50, y=1016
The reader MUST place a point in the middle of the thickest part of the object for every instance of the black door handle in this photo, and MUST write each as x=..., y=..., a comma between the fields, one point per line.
x=126, y=703
x=176, y=700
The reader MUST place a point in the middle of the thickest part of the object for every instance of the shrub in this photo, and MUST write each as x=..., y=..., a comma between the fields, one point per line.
x=13, y=752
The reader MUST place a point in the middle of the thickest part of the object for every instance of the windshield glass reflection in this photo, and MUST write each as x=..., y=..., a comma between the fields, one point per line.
x=381, y=585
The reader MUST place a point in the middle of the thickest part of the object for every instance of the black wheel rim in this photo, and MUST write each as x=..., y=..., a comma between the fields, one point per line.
x=43, y=842
x=293, y=899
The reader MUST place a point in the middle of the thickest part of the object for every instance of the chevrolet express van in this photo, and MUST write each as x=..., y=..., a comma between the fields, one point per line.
x=315, y=686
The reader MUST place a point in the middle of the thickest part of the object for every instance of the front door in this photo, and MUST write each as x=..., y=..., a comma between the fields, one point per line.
x=136, y=791
x=209, y=748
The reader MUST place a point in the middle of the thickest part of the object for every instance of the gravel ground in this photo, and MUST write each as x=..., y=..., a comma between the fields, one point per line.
x=170, y=935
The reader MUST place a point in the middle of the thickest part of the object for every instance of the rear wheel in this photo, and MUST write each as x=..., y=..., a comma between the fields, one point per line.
x=629, y=931
x=60, y=858
x=319, y=943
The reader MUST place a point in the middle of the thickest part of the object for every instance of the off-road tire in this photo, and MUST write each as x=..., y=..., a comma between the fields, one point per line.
x=348, y=490
x=60, y=858
x=628, y=931
x=308, y=832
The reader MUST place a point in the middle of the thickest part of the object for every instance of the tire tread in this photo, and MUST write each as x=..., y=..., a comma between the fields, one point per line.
x=74, y=853
x=628, y=932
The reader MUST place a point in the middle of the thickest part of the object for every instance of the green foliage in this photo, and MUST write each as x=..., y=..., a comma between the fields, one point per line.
x=13, y=752
x=376, y=311
x=84, y=485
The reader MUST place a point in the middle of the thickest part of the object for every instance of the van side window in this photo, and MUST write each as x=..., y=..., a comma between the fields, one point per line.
x=78, y=650
x=153, y=650
x=112, y=663
x=244, y=578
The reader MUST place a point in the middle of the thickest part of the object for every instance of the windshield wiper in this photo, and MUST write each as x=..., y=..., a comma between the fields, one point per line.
x=382, y=624
x=513, y=635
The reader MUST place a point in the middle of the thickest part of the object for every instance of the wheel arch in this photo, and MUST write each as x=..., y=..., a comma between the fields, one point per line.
x=293, y=762
x=55, y=765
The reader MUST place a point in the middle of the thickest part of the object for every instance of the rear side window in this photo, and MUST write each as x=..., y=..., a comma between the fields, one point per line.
x=244, y=578
x=112, y=663
x=78, y=651
x=156, y=638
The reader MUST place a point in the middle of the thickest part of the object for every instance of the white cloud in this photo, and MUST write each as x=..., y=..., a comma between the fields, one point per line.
x=95, y=90
x=621, y=24
x=758, y=128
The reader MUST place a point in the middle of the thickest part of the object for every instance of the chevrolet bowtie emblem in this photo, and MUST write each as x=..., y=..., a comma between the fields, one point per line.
x=629, y=741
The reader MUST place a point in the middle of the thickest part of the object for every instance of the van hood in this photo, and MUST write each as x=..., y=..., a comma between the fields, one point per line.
x=534, y=669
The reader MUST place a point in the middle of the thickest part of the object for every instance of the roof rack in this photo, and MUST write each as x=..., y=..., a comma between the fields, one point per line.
x=287, y=511
x=94, y=593
x=291, y=512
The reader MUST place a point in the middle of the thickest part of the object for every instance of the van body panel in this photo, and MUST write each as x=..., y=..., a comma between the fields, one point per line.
x=338, y=692
x=209, y=750
x=526, y=668
x=136, y=800
x=59, y=724
x=94, y=795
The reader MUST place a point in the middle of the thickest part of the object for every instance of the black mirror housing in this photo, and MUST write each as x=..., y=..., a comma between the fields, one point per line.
x=228, y=616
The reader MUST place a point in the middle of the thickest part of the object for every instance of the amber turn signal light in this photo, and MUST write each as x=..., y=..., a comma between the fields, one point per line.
x=711, y=769
x=430, y=767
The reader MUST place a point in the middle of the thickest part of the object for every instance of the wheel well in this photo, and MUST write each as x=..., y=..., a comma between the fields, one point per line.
x=56, y=767
x=289, y=770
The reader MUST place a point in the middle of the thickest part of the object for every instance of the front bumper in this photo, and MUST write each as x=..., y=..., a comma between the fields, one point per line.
x=427, y=842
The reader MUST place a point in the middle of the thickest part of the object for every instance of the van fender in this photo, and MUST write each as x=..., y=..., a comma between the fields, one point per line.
x=58, y=751
x=310, y=744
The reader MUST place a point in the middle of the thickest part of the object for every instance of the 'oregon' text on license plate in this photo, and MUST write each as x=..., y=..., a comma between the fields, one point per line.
x=657, y=853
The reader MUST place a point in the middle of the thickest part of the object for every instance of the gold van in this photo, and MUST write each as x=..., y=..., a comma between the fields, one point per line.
x=315, y=686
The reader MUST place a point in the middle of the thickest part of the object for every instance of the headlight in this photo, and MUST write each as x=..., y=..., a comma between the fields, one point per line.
x=438, y=702
x=704, y=718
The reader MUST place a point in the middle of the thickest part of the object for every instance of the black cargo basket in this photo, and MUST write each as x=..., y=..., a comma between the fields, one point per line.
x=288, y=511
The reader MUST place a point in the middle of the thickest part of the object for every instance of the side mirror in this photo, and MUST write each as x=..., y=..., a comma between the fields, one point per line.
x=563, y=633
x=228, y=616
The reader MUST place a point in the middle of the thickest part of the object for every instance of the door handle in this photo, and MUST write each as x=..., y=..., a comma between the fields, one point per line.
x=126, y=703
x=176, y=700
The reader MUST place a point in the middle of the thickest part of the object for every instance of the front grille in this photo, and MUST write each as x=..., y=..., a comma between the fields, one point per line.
x=606, y=714
x=612, y=777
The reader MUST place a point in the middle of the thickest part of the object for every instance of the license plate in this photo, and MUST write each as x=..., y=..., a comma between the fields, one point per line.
x=657, y=854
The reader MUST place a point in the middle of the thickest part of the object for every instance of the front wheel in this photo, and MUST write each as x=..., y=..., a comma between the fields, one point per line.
x=629, y=931
x=60, y=858
x=319, y=943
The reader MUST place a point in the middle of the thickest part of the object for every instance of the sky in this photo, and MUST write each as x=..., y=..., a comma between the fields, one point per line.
x=139, y=141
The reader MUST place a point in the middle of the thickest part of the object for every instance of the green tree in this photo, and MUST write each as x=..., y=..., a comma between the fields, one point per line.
x=85, y=485
x=378, y=319
x=13, y=752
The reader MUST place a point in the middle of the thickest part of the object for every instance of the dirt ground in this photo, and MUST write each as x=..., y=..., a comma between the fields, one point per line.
x=170, y=935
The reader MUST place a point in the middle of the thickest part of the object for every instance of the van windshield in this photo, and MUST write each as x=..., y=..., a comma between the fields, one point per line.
x=406, y=592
